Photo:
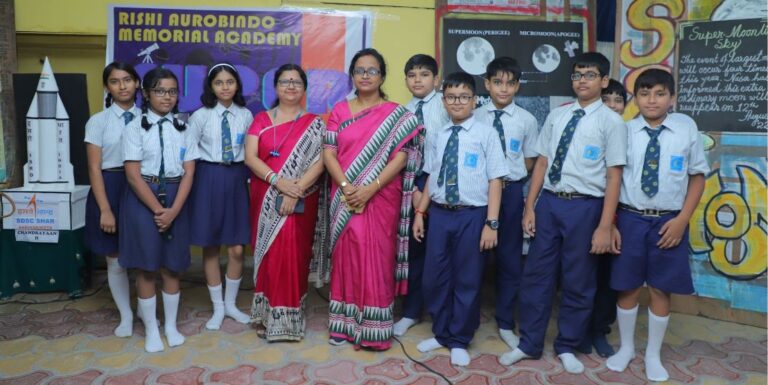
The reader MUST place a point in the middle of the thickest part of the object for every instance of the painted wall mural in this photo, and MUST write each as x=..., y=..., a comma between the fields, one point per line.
x=729, y=230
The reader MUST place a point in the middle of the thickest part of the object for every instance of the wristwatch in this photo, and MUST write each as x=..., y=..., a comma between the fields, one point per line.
x=344, y=184
x=492, y=223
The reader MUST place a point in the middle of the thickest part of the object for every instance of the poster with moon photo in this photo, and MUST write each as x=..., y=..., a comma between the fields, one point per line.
x=544, y=49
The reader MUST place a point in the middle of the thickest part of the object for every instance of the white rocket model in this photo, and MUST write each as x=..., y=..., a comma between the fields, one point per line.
x=48, y=166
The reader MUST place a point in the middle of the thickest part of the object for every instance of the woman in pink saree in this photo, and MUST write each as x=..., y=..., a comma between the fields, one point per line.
x=370, y=154
x=283, y=149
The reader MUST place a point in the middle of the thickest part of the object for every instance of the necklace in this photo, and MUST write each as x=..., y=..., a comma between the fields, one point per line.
x=276, y=146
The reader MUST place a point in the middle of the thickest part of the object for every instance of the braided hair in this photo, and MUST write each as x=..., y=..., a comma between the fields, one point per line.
x=122, y=66
x=151, y=80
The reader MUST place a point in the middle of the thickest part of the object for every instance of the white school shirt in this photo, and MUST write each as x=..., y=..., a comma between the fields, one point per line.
x=480, y=160
x=681, y=154
x=144, y=146
x=433, y=111
x=600, y=141
x=105, y=130
x=520, y=132
x=205, y=124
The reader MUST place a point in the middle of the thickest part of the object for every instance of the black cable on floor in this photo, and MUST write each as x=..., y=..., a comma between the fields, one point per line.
x=423, y=365
x=67, y=299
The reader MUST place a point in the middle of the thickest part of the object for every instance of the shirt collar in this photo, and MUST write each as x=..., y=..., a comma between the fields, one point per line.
x=425, y=99
x=219, y=108
x=466, y=125
x=592, y=107
x=642, y=123
x=154, y=118
x=509, y=109
x=119, y=111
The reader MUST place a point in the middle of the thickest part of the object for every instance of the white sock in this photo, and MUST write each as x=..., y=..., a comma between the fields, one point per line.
x=117, y=277
x=139, y=313
x=657, y=326
x=571, y=363
x=459, y=357
x=626, y=320
x=230, y=296
x=428, y=345
x=509, y=337
x=218, y=308
x=171, y=307
x=152, y=341
x=513, y=356
x=402, y=326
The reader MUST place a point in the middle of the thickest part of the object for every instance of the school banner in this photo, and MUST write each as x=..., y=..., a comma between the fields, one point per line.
x=257, y=41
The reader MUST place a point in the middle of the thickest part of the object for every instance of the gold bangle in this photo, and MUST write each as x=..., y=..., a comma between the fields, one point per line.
x=378, y=183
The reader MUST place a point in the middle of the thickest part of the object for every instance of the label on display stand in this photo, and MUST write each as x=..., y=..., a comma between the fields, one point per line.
x=37, y=236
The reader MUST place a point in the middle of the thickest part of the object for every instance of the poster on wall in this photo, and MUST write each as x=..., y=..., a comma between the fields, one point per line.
x=256, y=41
x=544, y=49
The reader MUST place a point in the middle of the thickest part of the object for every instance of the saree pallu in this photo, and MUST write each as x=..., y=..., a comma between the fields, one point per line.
x=282, y=245
x=370, y=249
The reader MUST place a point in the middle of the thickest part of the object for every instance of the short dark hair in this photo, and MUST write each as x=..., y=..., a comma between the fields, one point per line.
x=285, y=68
x=376, y=55
x=653, y=77
x=421, y=61
x=615, y=87
x=122, y=66
x=502, y=65
x=208, y=98
x=593, y=59
x=459, y=78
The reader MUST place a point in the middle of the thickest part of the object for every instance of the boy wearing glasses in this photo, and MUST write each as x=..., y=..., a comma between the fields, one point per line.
x=582, y=149
x=517, y=130
x=422, y=80
x=465, y=164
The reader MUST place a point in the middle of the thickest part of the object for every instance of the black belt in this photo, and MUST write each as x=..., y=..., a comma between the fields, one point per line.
x=505, y=182
x=156, y=180
x=647, y=212
x=219, y=163
x=569, y=195
x=114, y=169
x=453, y=207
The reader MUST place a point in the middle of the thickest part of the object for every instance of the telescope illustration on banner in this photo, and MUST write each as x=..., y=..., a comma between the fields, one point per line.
x=147, y=53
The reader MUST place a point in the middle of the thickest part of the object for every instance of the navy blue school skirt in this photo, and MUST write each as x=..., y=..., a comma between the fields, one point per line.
x=96, y=240
x=218, y=205
x=142, y=246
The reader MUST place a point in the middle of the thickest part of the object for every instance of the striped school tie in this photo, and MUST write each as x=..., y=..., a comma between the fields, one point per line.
x=650, y=179
x=562, y=147
x=449, y=170
x=227, y=156
x=500, y=129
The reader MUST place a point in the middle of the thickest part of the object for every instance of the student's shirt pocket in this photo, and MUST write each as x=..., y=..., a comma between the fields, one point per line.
x=589, y=148
x=514, y=147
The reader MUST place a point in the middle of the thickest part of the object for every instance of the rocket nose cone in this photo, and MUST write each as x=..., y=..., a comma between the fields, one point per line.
x=47, y=81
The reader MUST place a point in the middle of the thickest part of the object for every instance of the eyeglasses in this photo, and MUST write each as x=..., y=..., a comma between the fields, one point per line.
x=220, y=83
x=360, y=71
x=576, y=76
x=162, y=91
x=288, y=83
x=461, y=99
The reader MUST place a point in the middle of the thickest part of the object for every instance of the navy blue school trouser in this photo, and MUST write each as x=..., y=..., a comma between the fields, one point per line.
x=509, y=252
x=604, y=312
x=455, y=264
x=560, y=249
x=414, y=300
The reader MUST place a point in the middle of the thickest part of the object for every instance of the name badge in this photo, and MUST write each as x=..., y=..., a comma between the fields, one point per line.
x=676, y=163
x=514, y=145
x=240, y=138
x=182, y=152
x=591, y=152
x=470, y=160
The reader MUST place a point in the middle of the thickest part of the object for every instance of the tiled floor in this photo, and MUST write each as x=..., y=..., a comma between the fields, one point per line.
x=71, y=342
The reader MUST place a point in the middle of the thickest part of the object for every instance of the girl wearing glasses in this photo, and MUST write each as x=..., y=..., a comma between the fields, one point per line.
x=159, y=158
x=283, y=152
x=371, y=155
x=219, y=198
x=103, y=138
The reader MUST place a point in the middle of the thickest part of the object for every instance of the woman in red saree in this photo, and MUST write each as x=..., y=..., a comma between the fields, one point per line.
x=283, y=150
x=370, y=153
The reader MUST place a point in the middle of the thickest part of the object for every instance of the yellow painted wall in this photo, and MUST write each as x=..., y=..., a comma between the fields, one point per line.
x=72, y=33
